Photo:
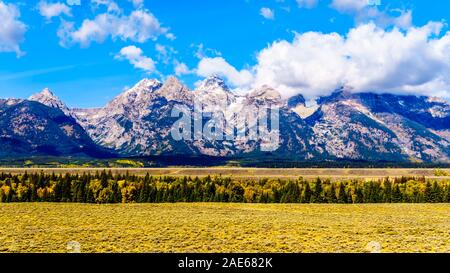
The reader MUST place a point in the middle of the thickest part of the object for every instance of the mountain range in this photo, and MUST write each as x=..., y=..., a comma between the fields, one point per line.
x=370, y=127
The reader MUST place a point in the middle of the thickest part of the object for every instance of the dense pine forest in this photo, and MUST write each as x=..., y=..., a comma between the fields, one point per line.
x=105, y=187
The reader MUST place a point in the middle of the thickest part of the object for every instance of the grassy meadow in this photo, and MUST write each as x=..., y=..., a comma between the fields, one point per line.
x=213, y=227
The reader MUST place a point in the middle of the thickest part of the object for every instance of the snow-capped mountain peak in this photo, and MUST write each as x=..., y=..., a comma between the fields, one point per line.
x=49, y=99
x=47, y=92
x=140, y=93
x=147, y=84
x=174, y=90
x=45, y=95
x=213, y=92
x=213, y=83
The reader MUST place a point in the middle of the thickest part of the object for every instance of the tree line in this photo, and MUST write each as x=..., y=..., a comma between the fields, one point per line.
x=105, y=187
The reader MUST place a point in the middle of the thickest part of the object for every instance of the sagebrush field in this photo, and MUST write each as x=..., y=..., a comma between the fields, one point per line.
x=212, y=227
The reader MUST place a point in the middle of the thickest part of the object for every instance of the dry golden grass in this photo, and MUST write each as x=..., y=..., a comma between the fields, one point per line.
x=209, y=227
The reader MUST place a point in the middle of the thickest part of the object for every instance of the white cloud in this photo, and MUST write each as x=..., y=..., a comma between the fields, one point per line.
x=64, y=31
x=171, y=36
x=110, y=5
x=367, y=59
x=349, y=5
x=137, y=3
x=140, y=26
x=161, y=49
x=165, y=53
x=267, y=13
x=203, y=52
x=12, y=30
x=73, y=2
x=137, y=58
x=307, y=3
x=365, y=12
x=182, y=69
x=218, y=66
x=403, y=21
x=50, y=10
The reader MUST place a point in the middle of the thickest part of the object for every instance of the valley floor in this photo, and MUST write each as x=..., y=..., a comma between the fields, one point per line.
x=211, y=227
x=255, y=173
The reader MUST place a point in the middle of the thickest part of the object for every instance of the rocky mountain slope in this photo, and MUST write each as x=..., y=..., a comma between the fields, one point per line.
x=342, y=126
x=379, y=127
x=32, y=128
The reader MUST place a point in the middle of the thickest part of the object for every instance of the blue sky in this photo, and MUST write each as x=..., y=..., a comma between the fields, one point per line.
x=47, y=45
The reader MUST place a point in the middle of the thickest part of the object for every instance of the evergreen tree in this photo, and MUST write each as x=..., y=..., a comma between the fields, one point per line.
x=342, y=196
x=387, y=198
x=307, y=193
x=436, y=194
x=428, y=193
x=331, y=194
x=396, y=194
x=446, y=198
x=359, y=195
x=317, y=193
